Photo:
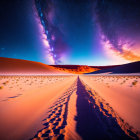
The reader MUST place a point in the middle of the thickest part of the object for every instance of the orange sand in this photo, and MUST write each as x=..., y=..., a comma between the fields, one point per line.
x=120, y=93
x=64, y=106
x=20, y=117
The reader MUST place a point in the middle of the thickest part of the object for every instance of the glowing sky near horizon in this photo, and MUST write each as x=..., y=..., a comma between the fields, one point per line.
x=95, y=32
x=88, y=32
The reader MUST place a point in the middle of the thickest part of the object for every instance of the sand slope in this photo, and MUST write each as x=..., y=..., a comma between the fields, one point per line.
x=18, y=66
x=76, y=69
x=80, y=69
x=133, y=67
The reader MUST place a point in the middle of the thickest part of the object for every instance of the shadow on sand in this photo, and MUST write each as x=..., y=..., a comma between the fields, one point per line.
x=91, y=123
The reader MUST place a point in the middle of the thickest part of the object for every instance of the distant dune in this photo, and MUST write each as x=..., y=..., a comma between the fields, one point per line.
x=18, y=66
x=80, y=69
x=76, y=69
x=133, y=67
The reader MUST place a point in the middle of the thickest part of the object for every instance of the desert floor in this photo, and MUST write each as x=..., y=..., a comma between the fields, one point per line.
x=69, y=107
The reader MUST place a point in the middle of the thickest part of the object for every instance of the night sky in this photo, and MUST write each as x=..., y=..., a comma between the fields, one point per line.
x=88, y=32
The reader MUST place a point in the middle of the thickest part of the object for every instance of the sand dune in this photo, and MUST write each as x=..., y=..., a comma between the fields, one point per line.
x=76, y=69
x=133, y=67
x=69, y=107
x=18, y=66
x=12, y=66
x=81, y=69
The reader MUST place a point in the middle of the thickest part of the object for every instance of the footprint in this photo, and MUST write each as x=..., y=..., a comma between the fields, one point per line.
x=56, y=121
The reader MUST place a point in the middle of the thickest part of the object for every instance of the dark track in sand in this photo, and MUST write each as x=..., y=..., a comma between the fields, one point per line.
x=92, y=123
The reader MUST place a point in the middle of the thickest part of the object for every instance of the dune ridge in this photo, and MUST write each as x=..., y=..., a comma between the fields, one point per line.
x=81, y=69
x=76, y=69
x=18, y=66
x=133, y=67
